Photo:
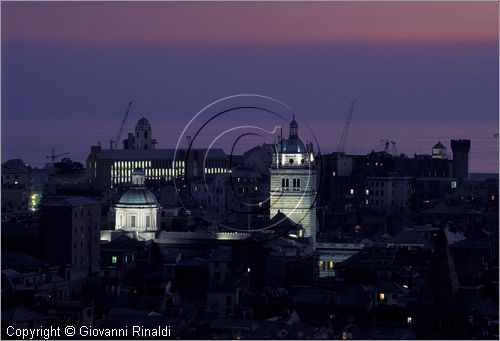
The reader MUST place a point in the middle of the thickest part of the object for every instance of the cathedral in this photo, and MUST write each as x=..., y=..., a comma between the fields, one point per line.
x=293, y=184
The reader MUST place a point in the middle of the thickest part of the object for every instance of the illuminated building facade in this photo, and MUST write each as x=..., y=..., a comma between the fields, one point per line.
x=109, y=168
x=137, y=209
x=293, y=184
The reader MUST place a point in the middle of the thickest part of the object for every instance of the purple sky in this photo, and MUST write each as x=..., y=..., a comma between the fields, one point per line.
x=421, y=71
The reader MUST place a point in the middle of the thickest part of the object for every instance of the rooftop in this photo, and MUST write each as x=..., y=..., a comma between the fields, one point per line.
x=137, y=154
x=68, y=201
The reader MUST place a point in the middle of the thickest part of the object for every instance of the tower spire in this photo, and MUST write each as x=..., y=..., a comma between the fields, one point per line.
x=294, y=128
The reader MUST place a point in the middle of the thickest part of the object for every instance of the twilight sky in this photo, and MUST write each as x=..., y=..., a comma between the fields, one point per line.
x=421, y=71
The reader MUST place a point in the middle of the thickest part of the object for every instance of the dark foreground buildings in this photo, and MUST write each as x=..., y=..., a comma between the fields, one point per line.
x=404, y=247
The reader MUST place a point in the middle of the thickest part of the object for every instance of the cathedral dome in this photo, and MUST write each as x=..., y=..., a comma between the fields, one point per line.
x=137, y=194
x=294, y=146
x=137, y=197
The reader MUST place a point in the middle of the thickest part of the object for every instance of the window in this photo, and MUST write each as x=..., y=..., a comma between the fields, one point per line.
x=121, y=220
x=321, y=264
x=132, y=221
x=146, y=134
x=331, y=264
x=113, y=260
x=148, y=221
x=126, y=259
x=453, y=184
x=381, y=297
x=351, y=191
x=284, y=183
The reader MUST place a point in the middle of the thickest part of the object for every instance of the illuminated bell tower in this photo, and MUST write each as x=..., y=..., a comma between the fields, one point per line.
x=293, y=184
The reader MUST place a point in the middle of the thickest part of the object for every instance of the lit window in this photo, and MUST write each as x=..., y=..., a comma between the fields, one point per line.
x=367, y=192
x=113, y=260
x=333, y=173
x=453, y=184
x=248, y=269
x=381, y=297
x=126, y=259
x=331, y=264
x=351, y=191
x=408, y=319
x=301, y=233
x=321, y=264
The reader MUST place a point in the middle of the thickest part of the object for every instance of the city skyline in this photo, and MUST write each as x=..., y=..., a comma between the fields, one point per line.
x=438, y=71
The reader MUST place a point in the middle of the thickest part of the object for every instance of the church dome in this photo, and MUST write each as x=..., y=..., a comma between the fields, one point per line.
x=137, y=194
x=137, y=197
x=294, y=146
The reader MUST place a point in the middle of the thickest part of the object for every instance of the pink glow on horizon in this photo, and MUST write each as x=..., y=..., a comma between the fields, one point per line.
x=248, y=22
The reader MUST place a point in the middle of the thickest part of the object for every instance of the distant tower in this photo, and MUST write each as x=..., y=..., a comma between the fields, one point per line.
x=137, y=209
x=143, y=138
x=460, y=150
x=439, y=151
x=293, y=183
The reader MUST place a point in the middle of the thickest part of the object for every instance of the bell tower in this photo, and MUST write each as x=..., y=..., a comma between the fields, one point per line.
x=293, y=184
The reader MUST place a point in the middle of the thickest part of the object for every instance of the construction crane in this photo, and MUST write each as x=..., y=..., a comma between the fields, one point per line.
x=114, y=143
x=345, y=131
x=53, y=156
